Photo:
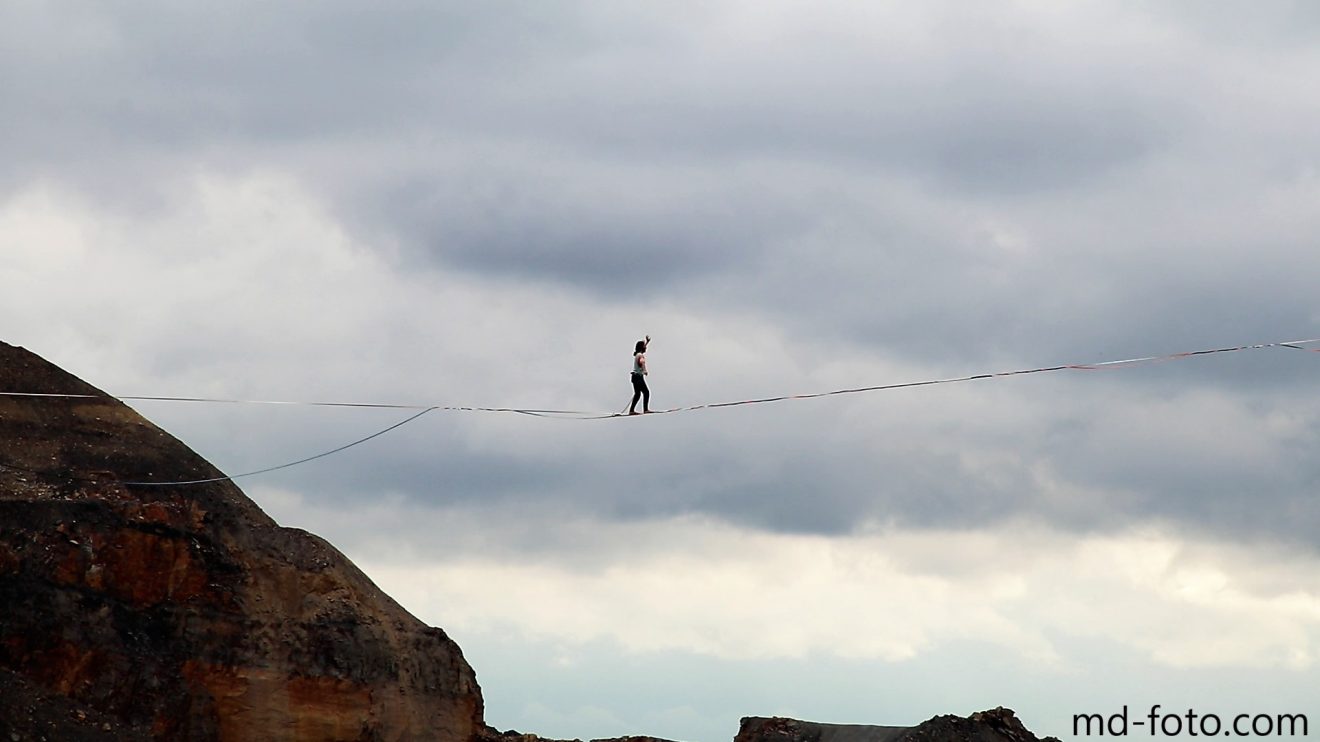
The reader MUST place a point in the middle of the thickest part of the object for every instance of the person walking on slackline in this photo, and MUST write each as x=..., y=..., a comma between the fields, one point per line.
x=639, y=378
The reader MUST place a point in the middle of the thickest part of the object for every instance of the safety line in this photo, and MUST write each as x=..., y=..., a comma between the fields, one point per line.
x=578, y=415
x=269, y=469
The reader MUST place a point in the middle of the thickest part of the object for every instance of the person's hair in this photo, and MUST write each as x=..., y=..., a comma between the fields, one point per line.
x=641, y=347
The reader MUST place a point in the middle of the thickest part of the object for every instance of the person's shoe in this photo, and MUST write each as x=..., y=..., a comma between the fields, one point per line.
x=634, y=412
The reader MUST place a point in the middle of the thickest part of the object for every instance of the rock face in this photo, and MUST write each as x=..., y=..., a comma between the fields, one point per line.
x=996, y=725
x=136, y=611
x=780, y=729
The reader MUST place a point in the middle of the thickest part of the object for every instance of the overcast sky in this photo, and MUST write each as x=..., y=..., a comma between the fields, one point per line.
x=467, y=203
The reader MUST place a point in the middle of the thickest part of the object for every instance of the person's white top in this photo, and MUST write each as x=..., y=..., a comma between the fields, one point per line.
x=639, y=363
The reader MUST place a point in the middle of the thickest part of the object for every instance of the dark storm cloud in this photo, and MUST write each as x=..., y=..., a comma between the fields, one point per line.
x=683, y=134
x=150, y=89
x=180, y=74
x=627, y=230
x=607, y=90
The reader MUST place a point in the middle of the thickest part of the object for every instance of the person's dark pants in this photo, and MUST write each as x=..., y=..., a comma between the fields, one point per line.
x=640, y=392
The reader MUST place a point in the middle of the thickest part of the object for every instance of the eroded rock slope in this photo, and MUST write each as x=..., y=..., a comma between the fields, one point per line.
x=135, y=611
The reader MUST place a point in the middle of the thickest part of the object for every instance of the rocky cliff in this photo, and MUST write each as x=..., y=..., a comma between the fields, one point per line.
x=135, y=611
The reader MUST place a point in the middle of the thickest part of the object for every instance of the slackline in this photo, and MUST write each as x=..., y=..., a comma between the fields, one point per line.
x=420, y=410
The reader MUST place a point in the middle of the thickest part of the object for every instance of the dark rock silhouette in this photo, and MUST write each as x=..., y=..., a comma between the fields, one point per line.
x=185, y=612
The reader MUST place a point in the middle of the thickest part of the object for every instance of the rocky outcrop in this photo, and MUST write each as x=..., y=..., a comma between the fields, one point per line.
x=141, y=611
x=782, y=729
x=995, y=725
